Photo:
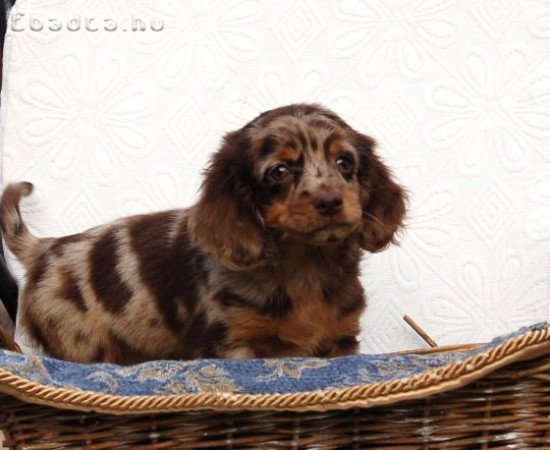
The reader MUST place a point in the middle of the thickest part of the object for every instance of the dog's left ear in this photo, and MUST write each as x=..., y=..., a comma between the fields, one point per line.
x=383, y=200
x=226, y=222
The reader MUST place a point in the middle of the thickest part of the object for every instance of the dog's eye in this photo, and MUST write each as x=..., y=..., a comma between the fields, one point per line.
x=279, y=172
x=344, y=164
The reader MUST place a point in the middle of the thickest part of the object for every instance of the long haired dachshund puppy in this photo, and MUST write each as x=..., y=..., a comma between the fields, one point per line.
x=266, y=264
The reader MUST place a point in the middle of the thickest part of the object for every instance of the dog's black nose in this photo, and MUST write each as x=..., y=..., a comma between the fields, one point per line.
x=328, y=203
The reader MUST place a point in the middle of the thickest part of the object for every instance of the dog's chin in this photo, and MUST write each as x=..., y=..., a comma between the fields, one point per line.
x=328, y=234
x=332, y=234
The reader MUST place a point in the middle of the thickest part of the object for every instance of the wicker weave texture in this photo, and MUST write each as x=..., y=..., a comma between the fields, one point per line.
x=509, y=408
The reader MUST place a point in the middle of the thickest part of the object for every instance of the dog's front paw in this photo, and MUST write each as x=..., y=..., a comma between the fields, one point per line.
x=240, y=352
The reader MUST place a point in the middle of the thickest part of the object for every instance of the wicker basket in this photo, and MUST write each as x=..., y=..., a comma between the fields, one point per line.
x=499, y=398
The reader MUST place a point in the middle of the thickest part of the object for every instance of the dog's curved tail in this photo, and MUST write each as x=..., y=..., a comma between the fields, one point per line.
x=16, y=234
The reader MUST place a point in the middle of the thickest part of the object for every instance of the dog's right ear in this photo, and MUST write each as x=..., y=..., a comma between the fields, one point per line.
x=226, y=222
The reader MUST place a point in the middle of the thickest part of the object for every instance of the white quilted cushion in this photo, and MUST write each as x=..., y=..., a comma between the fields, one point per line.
x=110, y=123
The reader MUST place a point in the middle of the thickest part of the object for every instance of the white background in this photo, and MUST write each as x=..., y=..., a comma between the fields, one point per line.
x=457, y=93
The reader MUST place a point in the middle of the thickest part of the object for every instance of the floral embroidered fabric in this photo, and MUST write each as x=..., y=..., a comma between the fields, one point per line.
x=260, y=376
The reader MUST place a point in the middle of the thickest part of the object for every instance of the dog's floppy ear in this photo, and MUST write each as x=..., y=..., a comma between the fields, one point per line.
x=226, y=222
x=383, y=200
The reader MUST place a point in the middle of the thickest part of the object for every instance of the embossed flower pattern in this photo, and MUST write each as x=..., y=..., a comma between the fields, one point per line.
x=393, y=34
x=537, y=225
x=492, y=107
x=480, y=302
x=85, y=115
x=202, y=39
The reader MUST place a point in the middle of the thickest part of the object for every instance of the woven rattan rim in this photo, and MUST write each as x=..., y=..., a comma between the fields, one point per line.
x=526, y=346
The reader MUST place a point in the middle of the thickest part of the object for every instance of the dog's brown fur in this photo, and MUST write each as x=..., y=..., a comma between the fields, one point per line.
x=265, y=264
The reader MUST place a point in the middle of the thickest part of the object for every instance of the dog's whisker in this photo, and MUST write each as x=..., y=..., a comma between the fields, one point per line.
x=374, y=218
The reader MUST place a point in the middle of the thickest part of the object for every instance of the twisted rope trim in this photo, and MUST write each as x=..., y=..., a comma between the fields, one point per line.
x=447, y=377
